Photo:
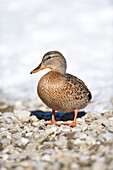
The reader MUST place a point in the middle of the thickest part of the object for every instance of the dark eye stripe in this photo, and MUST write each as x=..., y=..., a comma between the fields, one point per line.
x=45, y=59
x=49, y=57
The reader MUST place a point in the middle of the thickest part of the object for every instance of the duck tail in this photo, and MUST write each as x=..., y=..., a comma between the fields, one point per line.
x=90, y=95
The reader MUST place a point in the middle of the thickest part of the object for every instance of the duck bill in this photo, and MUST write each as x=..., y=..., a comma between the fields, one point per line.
x=40, y=67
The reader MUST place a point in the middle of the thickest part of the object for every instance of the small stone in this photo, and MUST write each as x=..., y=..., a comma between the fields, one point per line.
x=24, y=140
x=32, y=146
x=8, y=115
x=19, y=105
x=65, y=161
x=48, y=151
x=64, y=129
x=24, y=164
x=110, y=129
x=74, y=166
x=77, y=130
x=3, y=168
x=42, y=165
x=5, y=142
x=10, y=149
x=46, y=158
x=5, y=151
x=17, y=136
x=22, y=156
x=110, y=166
x=15, y=129
x=5, y=107
x=33, y=118
x=49, y=132
x=80, y=121
x=28, y=134
x=35, y=124
x=83, y=136
x=21, y=143
x=54, y=129
x=22, y=114
x=1, y=146
x=107, y=114
x=111, y=118
x=4, y=157
x=20, y=168
x=90, y=140
x=34, y=156
x=3, y=135
x=70, y=144
x=84, y=160
x=42, y=138
x=77, y=141
x=57, y=166
x=84, y=127
x=98, y=165
x=61, y=142
x=41, y=126
x=108, y=137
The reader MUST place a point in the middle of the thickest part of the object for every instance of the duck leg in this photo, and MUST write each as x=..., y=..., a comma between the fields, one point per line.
x=53, y=120
x=73, y=124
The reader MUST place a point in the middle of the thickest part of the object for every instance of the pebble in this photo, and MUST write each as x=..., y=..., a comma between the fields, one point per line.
x=64, y=161
x=54, y=128
x=22, y=114
x=5, y=107
x=61, y=142
x=41, y=126
x=26, y=143
x=33, y=119
x=99, y=165
x=32, y=146
x=46, y=158
x=108, y=137
x=35, y=124
x=49, y=132
x=42, y=139
x=34, y=156
x=110, y=129
x=77, y=141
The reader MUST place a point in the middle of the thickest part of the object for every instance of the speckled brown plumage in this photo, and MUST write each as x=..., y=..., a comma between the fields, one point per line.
x=59, y=90
x=63, y=92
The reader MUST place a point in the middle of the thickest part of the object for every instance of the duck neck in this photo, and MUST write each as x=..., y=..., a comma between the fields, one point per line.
x=59, y=66
x=60, y=70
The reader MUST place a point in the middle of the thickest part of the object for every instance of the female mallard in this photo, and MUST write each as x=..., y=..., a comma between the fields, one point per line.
x=59, y=90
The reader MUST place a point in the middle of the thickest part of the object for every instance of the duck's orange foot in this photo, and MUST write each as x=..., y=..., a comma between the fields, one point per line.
x=51, y=123
x=73, y=124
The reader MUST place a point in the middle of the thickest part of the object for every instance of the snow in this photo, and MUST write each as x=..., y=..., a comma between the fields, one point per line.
x=81, y=30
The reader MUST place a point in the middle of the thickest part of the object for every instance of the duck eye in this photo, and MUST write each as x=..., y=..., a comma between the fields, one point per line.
x=48, y=58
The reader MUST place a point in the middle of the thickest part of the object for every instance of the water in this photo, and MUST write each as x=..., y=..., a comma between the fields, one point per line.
x=81, y=30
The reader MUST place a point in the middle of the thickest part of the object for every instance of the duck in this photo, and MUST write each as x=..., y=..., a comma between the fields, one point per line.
x=59, y=90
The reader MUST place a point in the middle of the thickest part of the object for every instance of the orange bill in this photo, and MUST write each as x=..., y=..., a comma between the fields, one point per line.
x=40, y=67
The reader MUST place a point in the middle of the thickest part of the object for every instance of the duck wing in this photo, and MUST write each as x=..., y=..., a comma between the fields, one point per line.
x=79, y=86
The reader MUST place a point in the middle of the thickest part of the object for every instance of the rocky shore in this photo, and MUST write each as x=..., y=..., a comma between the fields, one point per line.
x=27, y=144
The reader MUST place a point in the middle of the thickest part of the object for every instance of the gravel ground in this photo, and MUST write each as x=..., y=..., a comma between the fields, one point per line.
x=27, y=144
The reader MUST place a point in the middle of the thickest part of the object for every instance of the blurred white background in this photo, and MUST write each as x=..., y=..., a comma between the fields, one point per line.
x=81, y=30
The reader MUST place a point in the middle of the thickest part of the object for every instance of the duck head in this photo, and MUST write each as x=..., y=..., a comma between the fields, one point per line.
x=53, y=60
